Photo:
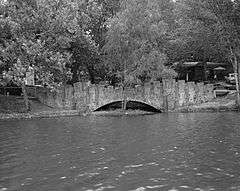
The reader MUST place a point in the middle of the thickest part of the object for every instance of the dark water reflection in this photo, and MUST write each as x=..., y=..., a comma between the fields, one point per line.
x=171, y=152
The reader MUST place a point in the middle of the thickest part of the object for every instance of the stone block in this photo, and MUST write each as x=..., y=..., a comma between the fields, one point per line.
x=118, y=93
x=191, y=93
x=200, y=98
x=171, y=94
x=181, y=93
x=92, y=96
x=209, y=92
x=58, y=98
x=102, y=99
x=139, y=93
x=69, y=97
x=176, y=95
x=147, y=94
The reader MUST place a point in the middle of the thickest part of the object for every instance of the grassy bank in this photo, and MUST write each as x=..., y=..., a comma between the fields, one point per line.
x=11, y=104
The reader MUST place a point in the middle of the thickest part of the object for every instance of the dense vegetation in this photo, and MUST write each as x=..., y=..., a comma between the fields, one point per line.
x=124, y=41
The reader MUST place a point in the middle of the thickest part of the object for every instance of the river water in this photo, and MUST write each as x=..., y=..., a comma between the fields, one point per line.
x=197, y=151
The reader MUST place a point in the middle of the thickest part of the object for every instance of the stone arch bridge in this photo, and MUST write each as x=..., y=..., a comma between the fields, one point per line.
x=168, y=95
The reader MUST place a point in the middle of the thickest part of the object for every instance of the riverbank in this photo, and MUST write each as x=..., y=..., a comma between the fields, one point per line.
x=13, y=109
x=67, y=113
x=214, y=106
x=42, y=114
x=220, y=104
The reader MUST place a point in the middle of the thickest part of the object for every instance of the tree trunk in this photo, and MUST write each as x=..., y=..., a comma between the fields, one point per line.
x=75, y=75
x=237, y=72
x=236, y=69
x=124, y=101
x=25, y=96
x=64, y=94
x=165, y=103
x=237, y=85
x=205, y=70
x=125, y=104
x=90, y=69
x=165, y=96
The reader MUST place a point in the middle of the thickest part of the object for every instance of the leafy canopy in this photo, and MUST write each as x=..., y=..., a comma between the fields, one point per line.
x=40, y=36
x=134, y=42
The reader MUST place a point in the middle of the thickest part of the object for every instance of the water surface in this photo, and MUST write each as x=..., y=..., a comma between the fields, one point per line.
x=198, y=151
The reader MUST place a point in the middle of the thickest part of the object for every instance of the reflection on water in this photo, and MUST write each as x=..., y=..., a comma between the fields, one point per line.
x=169, y=152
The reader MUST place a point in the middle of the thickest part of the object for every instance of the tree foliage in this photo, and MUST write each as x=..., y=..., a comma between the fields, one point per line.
x=132, y=38
x=42, y=36
x=135, y=40
x=207, y=29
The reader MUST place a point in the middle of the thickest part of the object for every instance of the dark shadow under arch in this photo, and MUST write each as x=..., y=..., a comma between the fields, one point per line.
x=133, y=105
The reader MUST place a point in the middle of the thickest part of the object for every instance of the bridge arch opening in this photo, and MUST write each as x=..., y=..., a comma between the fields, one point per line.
x=131, y=105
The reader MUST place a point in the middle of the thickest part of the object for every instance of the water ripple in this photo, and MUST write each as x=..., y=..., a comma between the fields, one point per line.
x=172, y=152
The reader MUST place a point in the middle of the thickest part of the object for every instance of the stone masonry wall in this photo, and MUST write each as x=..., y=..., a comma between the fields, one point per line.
x=167, y=96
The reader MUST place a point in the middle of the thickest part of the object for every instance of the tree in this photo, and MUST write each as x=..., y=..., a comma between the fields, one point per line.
x=135, y=40
x=98, y=12
x=213, y=27
x=19, y=54
x=86, y=51
x=39, y=38
x=84, y=58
